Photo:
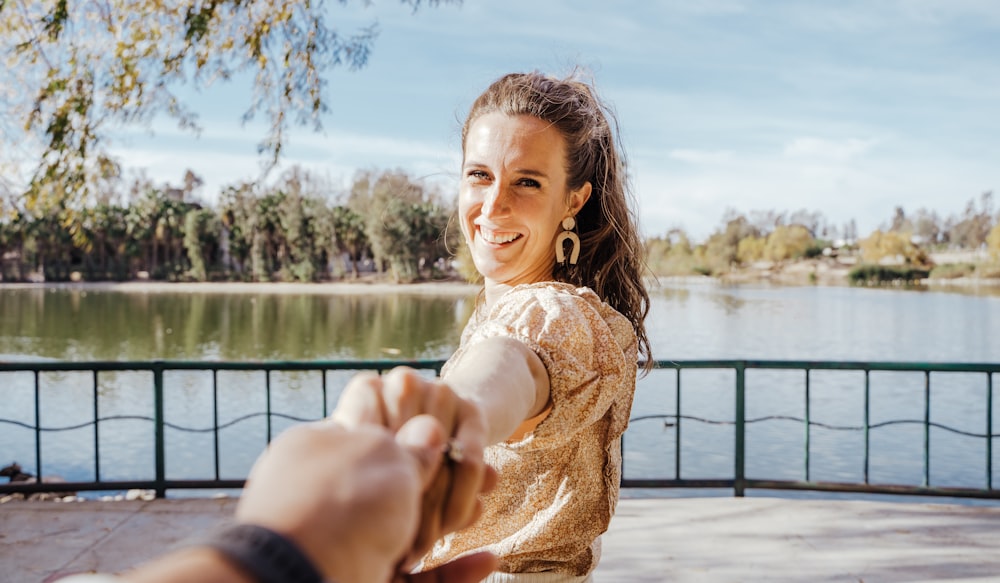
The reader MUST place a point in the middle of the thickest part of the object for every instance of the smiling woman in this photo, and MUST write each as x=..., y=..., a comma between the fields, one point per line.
x=549, y=356
x=550, y=353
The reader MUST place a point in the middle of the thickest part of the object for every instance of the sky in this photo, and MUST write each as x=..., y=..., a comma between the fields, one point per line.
x=848, y=108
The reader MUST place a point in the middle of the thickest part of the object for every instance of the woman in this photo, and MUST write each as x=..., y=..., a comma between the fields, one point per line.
x=549, y=356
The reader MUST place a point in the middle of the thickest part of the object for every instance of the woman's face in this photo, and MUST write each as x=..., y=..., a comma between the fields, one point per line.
x=514, y=196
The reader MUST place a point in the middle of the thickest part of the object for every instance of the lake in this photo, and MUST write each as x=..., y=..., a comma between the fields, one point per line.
x=688, y=320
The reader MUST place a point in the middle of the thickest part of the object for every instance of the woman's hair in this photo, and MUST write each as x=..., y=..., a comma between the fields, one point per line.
x=611, y=255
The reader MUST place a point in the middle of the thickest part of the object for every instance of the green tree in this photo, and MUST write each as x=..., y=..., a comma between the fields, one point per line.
x=88, y=67
x=403, y=221
x=237, y=208
x=106, y=234
x=349, y=227
x=200, y=240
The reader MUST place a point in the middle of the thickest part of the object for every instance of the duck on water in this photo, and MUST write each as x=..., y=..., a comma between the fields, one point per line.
x=15, y=474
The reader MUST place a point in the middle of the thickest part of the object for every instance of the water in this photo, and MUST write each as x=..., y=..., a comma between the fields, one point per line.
x=687, y=321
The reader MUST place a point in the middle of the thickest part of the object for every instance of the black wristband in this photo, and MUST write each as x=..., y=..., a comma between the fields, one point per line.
x=265, y=554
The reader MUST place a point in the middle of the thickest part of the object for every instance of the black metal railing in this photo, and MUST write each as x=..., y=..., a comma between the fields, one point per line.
x=740, y=481
x=735, y=388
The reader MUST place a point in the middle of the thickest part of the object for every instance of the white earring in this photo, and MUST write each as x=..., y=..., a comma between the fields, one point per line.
x=574, y=254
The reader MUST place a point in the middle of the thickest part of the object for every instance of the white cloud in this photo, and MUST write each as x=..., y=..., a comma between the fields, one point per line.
x=939, y=12
x=226, y=155
x=824, y=149
x=863, y=188
x=692, y=156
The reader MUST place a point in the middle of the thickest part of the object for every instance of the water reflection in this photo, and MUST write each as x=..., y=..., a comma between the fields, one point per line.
x=77, y=324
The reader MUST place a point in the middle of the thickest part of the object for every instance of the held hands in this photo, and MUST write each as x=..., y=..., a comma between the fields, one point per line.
x=350, y=497
x=450, y=500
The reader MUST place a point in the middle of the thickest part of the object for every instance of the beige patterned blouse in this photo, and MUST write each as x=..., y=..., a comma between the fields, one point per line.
x=558, y=484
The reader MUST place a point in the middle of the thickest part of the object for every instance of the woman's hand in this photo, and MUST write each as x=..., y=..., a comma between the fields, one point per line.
x=452, y=500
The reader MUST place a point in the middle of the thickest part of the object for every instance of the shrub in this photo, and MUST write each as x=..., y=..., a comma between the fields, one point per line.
x=953, y=271
x=869, y=274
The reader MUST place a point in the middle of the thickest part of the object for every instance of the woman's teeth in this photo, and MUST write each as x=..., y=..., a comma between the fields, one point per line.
x=497, y=238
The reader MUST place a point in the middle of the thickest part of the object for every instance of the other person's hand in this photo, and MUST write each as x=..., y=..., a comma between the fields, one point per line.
x=351, y=497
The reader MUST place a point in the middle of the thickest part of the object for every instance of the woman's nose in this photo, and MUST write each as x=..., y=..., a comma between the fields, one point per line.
x=494, y=201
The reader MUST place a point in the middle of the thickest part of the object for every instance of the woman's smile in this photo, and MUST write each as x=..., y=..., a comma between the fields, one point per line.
x=497, y=237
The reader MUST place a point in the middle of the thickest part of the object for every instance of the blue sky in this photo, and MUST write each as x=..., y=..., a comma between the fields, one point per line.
x=847, y=107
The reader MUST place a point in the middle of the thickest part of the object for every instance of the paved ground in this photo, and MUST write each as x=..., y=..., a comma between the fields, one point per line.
x=680, y=539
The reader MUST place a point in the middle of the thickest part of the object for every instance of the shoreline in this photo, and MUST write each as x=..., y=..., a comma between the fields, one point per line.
x=235, y=287
x=789, y=277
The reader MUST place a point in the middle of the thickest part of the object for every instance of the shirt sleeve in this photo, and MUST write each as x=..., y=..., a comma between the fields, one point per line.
x=584, y=348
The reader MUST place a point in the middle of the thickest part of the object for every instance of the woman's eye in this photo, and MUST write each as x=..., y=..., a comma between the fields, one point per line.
x=478, y=174
x=529, y=182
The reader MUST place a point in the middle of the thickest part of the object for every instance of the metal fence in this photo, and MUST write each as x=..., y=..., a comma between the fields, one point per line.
x=681, y=387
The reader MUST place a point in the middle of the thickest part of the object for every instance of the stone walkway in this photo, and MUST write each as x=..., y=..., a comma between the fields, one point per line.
x=662, y=539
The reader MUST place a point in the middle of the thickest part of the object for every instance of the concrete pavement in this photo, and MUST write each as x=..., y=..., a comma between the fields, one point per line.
x=661, y=539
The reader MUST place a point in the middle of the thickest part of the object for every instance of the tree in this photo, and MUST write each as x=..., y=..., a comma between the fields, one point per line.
x=788, y=242
x=76, y=70
x=403, y=221
x=721, y=249
x=670, y=255
x=900, y=222
x=880, y=245
x=993, y=242
x=813, y=221
x=349, y=227
x=970, y=230
x=751, y=249
x=927, y=226
x=200, y=230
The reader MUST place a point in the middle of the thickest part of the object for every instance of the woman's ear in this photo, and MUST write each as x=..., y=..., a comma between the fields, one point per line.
x=579, y=197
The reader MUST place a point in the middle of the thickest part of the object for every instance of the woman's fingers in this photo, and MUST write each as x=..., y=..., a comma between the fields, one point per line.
x=362, y=402
x=429, y=530
x=424, y=438
x=406, y=393
x=403, y=394
x=470, y=474
x=467, y=569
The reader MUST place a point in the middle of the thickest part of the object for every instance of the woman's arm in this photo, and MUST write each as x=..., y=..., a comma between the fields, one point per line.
x=506, y=379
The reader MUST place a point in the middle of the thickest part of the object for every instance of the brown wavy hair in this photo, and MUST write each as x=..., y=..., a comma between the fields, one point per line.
x=611, y=254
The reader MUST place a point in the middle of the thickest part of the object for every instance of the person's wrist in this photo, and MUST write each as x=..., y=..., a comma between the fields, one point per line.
x=266, y=555
x=192, y=564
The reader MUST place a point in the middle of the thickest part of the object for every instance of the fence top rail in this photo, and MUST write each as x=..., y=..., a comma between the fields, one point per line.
x=254, y=365
x=283, y=365
x=833, y=365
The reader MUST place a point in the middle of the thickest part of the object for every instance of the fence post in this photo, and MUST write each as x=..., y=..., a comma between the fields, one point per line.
x=989, y=431
x=927, y=429
x=808, y=424
x=38, y=428
x=161, y=472
x=739, y=481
